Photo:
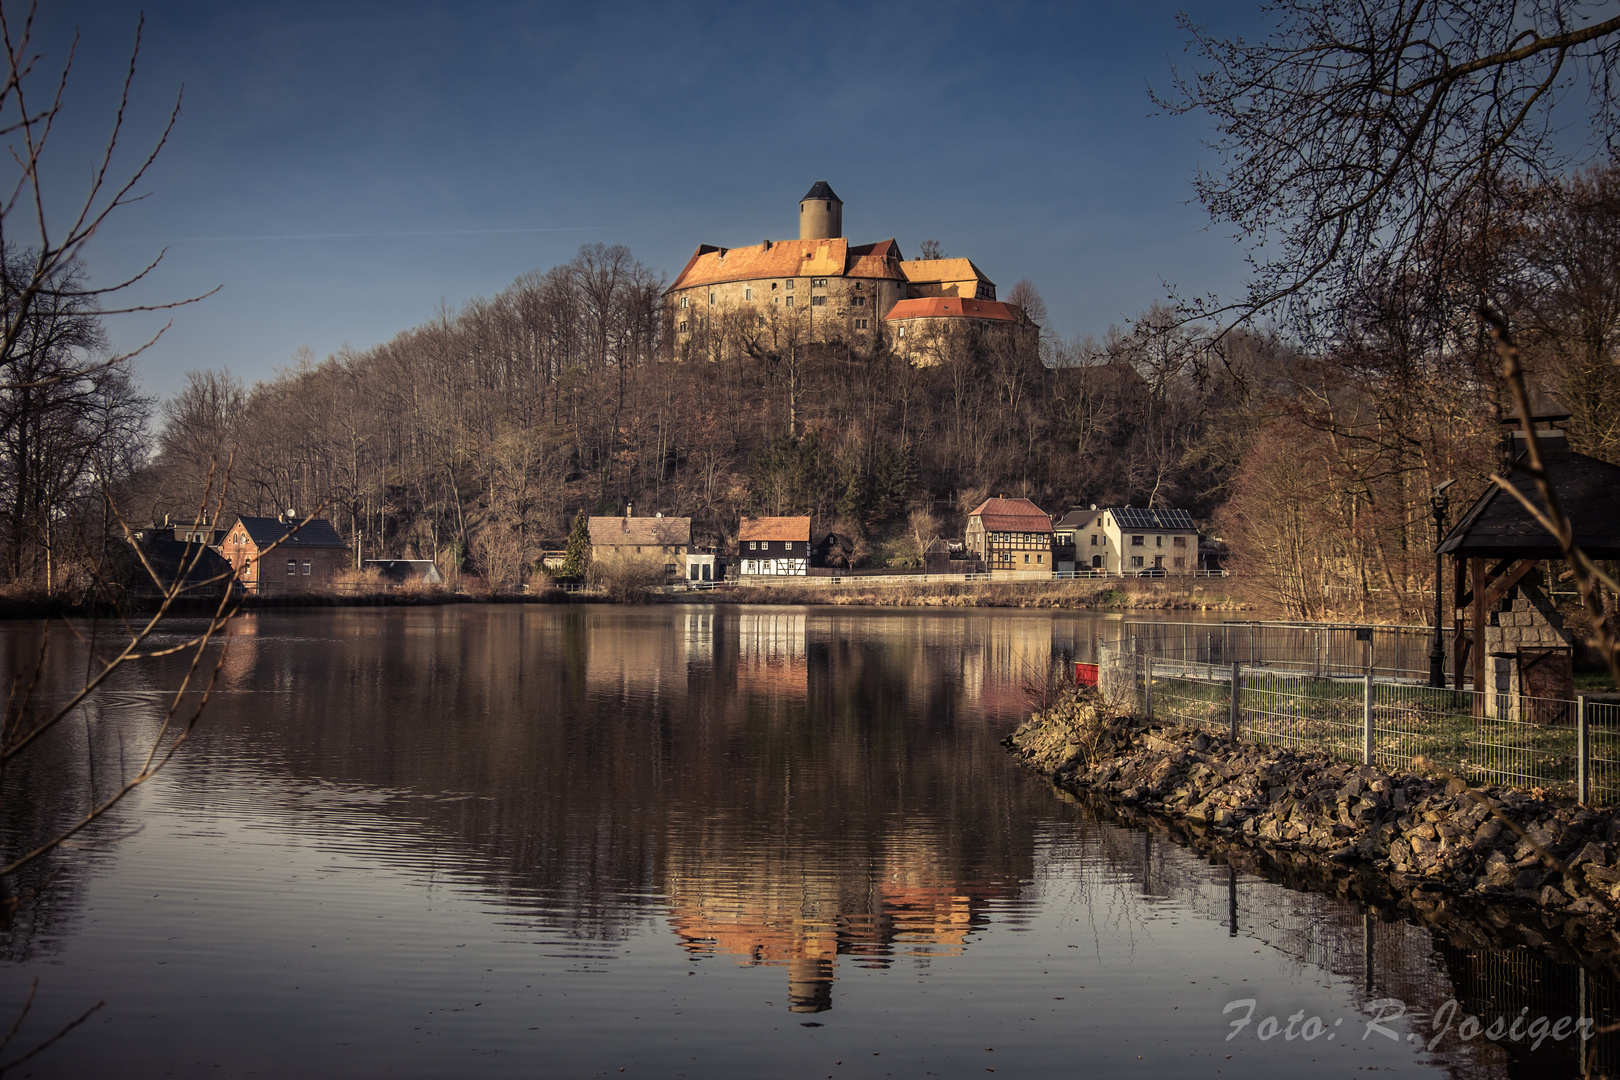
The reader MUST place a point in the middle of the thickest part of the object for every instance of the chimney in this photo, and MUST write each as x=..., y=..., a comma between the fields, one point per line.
x=629, y=510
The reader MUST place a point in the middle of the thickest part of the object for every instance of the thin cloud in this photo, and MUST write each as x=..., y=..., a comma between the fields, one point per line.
x=360, y=235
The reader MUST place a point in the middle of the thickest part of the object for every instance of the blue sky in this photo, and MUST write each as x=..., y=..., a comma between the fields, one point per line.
x=342, y=168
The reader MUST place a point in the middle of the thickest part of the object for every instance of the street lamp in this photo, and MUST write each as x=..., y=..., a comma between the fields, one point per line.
x=1438, y=505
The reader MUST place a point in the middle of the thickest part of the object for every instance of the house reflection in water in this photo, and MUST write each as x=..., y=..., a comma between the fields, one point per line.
x=802, y=909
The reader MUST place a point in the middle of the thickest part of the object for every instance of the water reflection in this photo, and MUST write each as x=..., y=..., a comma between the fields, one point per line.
x=818, y=792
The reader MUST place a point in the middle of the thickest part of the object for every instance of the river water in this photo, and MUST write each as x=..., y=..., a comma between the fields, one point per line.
x=676, y=841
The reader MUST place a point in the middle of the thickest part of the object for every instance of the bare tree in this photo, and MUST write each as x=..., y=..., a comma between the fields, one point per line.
x=1368, y=139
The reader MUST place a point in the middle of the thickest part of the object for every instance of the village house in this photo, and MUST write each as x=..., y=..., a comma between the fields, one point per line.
x=774, y=546
x=284, y=554
x=659, y=544
x=170, y=555
x=1140, y=542
x=1012, y=536
x=1075, y=542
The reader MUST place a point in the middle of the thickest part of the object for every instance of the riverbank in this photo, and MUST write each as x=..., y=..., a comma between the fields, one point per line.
x=1075, y=595
x=1058, y=595
x=1425, y=846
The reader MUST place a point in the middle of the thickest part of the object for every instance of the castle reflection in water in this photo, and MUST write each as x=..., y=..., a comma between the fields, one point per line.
x=801, y=788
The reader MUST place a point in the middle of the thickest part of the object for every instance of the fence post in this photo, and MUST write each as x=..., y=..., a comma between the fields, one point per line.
x=1235, y=688
x=1366, y=720
x=1583, y=751
x=1147, y=688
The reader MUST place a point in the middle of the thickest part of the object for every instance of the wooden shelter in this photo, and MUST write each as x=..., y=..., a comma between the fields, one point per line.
x=1495, y=548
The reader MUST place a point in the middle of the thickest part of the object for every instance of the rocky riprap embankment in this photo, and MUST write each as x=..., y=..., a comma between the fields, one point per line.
x=1429, y=838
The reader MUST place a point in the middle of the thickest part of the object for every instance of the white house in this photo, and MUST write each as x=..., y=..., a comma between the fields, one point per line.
x=774, y=546
x=1135, y=541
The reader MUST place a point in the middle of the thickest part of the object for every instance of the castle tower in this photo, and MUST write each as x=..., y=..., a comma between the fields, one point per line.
x=821, y=214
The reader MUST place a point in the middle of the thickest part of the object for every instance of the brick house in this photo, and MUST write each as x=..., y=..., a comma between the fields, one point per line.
x=659, y=544
x=774, y=546
x=1012, y=536
x=269, y=561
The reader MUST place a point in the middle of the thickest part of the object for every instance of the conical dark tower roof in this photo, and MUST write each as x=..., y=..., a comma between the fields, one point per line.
x=821, y=190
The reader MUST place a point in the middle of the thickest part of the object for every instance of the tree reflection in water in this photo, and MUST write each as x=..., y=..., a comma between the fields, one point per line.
x=800, y=788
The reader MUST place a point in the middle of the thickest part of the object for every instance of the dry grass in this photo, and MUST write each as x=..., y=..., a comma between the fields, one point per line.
x=1138, y=596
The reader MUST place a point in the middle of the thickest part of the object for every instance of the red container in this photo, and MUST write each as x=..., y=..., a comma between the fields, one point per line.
x=1085, y=674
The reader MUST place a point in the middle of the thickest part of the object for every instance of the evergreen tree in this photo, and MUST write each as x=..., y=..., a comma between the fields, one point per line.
x=578, y=557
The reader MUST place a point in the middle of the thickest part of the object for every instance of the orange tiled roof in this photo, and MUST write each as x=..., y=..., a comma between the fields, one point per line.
x=943, y=270
x=1012, y=515
x=789, y=258
x=946, y=307
x=774, y=528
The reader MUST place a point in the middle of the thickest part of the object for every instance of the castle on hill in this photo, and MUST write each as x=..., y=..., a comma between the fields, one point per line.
x=832, y=289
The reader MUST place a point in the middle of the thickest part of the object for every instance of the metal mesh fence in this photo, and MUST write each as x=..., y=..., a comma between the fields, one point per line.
x=1486, y=738
x=1323, y=650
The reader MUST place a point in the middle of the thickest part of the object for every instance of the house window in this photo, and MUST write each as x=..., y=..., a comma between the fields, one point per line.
x=1093, y=539
x=762, y=320
x=753, y=545
x=306, y=569
x=748, y=294
x=1181, y=563
x=790, y=301
x=1138, y=541
x=1178, y=541
x=1040, y=558
x=860, y=324
x=1136, y=560
x=292, y=567
x=818, y=283
x=669, y=568
x=1158, y=541
x=860, y=301
x=818, y=301
x=1026, y=556
x=790, y=286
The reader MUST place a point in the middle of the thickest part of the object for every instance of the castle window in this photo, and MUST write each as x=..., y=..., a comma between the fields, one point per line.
x=790, y=301
x=773, y=286
x=860, y=301
x=748, y=294
x=686, y=301
x=818, y=301
x=860, y=324
x=762, y=320
x=681, y=328
x=711, y=299
x=818, y=283
x=901, y=332
x=790, y=286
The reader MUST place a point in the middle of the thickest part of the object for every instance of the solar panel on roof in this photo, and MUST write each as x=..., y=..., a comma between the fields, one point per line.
x=1136, y=517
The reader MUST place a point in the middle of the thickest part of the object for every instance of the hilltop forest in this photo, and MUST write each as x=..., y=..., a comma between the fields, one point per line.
x=476, y=436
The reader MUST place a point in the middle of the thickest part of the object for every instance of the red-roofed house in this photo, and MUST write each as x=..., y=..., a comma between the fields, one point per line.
x=774, y=546
x=1012, y=536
